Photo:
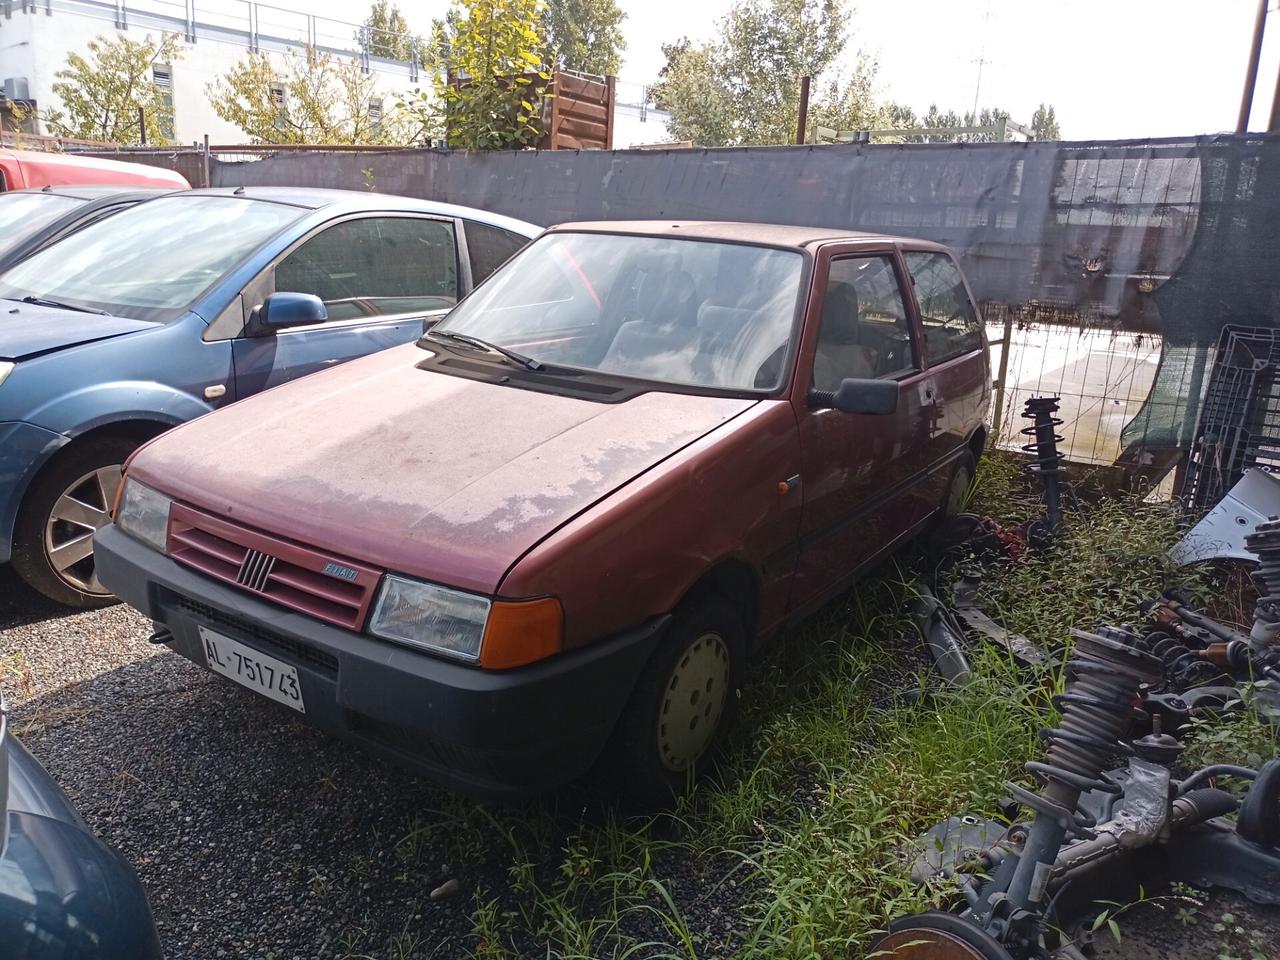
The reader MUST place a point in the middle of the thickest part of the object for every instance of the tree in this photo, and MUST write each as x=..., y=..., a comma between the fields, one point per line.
x=495, y=76
x=386, y=33
x=689, y=89
x=313, y=99
x=744, y=86
x=101, y=94
x=1044, y=123
x=585, y=35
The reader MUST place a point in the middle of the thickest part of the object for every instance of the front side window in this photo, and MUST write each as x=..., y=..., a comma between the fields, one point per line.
x=25, y=214
x=155, y=259
x=865, y=332
x=697, y=313
x=376, y=267
x=951, y=325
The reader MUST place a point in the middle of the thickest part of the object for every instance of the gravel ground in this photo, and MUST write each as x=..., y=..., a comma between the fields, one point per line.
x=255, y=836
x=258, y=838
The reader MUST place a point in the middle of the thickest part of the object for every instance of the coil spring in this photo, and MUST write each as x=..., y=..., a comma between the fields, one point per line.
x=1045, y=437
x=1264, y=543
x=1183, y=667
x=1106, y=671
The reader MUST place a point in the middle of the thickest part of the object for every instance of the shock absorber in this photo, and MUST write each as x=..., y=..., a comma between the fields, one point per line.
x=1184, y=668
x=1264, y=543
x=1106, y=671
x=1046, y=460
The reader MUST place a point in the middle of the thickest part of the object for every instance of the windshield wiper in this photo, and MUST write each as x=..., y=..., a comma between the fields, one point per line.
x=44, y=302
x=527, y=362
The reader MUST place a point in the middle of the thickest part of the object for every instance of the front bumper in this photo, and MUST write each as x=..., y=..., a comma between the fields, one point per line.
x=24, y=449
x=490, y=734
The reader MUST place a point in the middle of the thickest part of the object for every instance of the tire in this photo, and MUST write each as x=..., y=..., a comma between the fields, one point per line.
x=683, y=703
x=67, y=501
x=962, y=475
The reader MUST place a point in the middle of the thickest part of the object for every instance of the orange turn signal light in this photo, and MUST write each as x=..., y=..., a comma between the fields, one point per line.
x=521, y=632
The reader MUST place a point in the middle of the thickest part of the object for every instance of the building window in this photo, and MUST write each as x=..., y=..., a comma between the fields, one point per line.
x=375, y=114
x=280, y=102
x=162, y=77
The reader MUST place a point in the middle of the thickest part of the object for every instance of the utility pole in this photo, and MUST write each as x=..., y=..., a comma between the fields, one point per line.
x=804, y=110
x=1251, y=71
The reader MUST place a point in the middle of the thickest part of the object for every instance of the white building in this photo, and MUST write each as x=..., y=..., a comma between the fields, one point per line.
x=37, y=35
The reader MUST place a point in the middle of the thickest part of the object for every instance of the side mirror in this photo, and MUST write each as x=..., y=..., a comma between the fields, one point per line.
x=291, y=310
x=858, y=396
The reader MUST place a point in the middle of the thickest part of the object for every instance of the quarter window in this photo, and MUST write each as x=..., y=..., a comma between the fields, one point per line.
x=489, y=248
x=951, y=325
x=865, y=332
x=377, y=266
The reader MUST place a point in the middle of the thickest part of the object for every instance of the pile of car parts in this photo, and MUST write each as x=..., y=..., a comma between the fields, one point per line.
x=1204, y=663
x=1023, y=882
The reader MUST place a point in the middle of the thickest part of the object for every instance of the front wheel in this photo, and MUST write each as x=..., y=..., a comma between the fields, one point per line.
x=68, y=502
x=682, y=705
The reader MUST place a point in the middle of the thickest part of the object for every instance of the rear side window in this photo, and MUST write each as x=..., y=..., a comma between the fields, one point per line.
x=489, y=248
x=951, y=325
x=375, y=267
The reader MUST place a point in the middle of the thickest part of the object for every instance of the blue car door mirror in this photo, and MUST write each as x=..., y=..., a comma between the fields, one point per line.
x=290, y=310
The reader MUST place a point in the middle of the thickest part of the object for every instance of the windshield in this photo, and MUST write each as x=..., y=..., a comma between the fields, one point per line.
x=25, y=214
x=692, y=312
x=150, y=261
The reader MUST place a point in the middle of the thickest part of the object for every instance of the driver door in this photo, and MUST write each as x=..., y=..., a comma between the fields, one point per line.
x=859, y=470
x=379, y=277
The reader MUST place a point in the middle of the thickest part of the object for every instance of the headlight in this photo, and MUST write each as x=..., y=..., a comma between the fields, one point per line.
x=429, y=616
x=144, y=514
x=6, y=368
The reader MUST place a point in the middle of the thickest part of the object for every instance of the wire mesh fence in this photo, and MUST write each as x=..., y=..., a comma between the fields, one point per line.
x=1103, y=376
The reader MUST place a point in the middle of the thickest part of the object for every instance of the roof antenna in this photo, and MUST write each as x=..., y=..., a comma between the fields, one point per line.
x=238, y=190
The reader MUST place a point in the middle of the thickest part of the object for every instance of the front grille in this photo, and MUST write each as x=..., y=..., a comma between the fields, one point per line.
x=324, y=586
x=255, y=570
x=298, y=650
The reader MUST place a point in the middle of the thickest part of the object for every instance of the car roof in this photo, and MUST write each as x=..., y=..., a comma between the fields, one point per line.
x=101, y=191
x=764, y=234
x=317, y=198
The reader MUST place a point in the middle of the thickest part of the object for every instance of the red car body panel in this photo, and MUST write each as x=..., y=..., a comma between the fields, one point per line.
x=22, y=169
x=774, y=500
x=443, y=478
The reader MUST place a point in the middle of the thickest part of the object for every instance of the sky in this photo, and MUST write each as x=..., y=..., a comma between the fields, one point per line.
x=1112, y=70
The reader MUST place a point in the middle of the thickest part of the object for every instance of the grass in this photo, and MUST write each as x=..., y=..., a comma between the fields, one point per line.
x=795, y=849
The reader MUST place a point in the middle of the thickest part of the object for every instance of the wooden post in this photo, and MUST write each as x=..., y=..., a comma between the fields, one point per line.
x=1251, y=71
x=553, y=126
x=804, y=109
x=1273, y=124
x=1006, y=344
x=611, y=97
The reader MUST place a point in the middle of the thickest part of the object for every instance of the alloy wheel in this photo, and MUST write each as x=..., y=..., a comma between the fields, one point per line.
x=82, y=508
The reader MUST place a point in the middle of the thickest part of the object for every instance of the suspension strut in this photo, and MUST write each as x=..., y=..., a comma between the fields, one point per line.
x=1106, y=672
x=1264, y=543
x=1046, y=461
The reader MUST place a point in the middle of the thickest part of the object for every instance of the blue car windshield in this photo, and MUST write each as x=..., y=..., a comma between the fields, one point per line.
x=23, y=215
x=152, y=261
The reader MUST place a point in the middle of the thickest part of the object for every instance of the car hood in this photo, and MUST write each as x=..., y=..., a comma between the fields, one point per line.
x=27, y=330
x=432, y=475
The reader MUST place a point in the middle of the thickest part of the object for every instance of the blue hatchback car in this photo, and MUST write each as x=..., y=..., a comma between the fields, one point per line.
x=183, y=304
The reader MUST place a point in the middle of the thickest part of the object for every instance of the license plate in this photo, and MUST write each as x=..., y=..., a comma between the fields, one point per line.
x=249, y=668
